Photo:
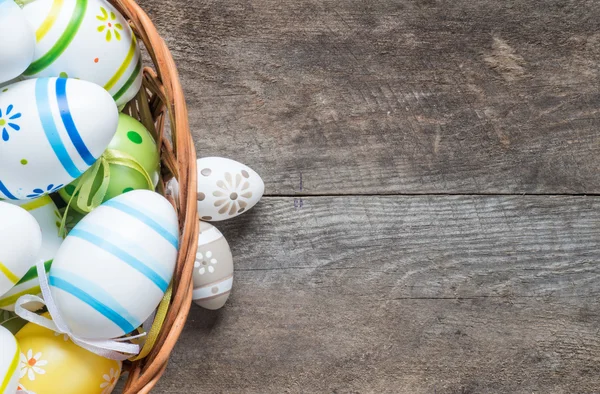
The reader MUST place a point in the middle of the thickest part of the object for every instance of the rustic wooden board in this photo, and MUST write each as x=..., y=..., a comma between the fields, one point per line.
x=419, y=294
x=453, y=282
x=402, y=96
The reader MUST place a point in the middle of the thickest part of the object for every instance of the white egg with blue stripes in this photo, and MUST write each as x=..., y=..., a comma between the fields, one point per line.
x=114, y=267
x=51, y=131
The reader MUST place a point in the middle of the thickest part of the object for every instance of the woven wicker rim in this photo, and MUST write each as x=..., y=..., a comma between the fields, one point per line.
x=160, y=100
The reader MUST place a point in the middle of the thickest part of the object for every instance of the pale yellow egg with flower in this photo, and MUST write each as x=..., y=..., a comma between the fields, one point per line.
x=50, y=363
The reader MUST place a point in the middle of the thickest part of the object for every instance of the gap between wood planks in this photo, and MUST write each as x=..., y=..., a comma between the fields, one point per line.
x=296, y=195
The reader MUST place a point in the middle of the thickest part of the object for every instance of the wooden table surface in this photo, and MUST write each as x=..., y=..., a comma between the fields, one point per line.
x=431, y=222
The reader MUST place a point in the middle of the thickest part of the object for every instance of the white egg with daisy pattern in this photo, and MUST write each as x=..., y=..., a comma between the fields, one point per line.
x=51, y=131
x=88, y=40
x=213, y=268
x=226, y=188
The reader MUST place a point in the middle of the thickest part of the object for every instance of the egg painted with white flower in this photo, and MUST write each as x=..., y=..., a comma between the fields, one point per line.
x=114, y=267
x=18, y=41
x=23, y=390
x=20, y=244
x=50, y=363
x=226, y=188
x=51, y=131
x=9, y=362
x=88, y=40
x=48, y=217
x=213, y=269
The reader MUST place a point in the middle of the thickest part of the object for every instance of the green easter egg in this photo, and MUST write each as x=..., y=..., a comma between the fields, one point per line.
x=133, y=139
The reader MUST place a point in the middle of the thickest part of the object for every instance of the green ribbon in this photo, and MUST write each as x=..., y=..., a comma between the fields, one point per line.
x=88, y=200
x=23, y=3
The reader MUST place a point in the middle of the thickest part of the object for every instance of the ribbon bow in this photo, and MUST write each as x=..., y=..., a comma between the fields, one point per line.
x=115, y=349
x=87, y=199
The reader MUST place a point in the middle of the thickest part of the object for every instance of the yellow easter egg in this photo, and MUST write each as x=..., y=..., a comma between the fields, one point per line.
x=51, y=363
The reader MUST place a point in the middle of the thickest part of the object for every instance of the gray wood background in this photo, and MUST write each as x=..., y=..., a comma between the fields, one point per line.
x=432, y=216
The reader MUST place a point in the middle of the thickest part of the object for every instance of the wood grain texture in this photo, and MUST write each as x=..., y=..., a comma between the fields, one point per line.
x=450, y=284
x=401, y=96
x=422, y=294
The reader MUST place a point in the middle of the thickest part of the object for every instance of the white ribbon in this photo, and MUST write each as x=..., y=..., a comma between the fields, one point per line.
x=115, y=349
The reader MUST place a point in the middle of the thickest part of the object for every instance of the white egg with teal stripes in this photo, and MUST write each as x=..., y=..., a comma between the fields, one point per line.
x=114, y=267
x=51, y=131
x=20, y=244
x=48, y=218
x=17, y=41
x=9, y=362
x=85, y=39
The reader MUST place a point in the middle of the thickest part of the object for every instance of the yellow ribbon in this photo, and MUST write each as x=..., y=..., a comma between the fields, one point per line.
x=159, y=320
x=87, y=200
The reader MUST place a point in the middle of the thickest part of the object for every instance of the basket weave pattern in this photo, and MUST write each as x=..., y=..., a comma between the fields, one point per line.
x=160, y=101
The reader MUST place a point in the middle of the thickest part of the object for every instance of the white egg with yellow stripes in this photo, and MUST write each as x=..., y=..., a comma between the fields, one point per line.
x=20, y=243
x=85, y=39
x=114, y=267
x=213, y=269
x=18, y=41
x=48, y=217
x=51, y=131
x=9, y=362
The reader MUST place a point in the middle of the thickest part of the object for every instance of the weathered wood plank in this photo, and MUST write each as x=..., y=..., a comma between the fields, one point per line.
x=421, y=294
x=355, y=97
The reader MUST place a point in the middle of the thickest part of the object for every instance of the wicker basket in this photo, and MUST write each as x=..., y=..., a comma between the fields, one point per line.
x=160, y=103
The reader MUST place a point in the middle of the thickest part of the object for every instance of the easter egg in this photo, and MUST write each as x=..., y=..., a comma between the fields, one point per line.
x=134, y=140
x=226, y=188
x=213, y=269
x=114, y=267
x=88, y=40
x=18, y=41
x=20, y=244
x=48, y=217
x=52, y=130
x=9, y=362
x=51, y=363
